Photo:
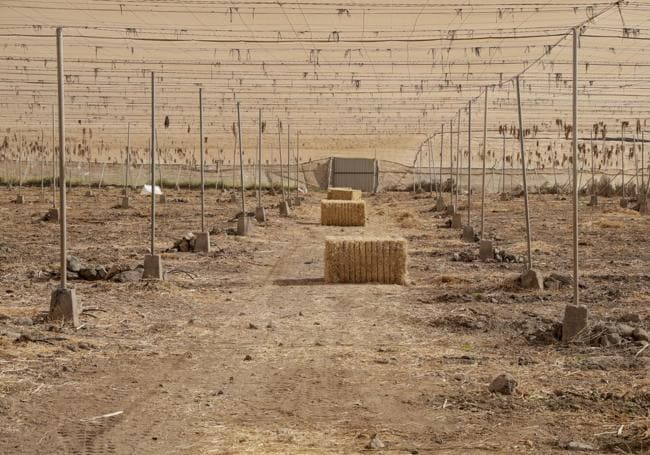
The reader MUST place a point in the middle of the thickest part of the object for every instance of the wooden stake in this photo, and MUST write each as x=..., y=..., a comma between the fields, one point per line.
x=525, y=179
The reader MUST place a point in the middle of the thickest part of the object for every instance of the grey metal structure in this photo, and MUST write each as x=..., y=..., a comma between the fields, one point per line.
x=357, y=173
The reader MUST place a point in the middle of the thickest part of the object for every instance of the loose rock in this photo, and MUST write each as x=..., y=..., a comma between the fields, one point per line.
x=375, y=443
x=504, y=384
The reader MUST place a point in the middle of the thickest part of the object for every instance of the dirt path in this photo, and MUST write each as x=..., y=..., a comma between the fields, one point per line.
x=256, y=355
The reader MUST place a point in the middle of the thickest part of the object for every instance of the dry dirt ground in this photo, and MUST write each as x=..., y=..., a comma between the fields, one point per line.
x=246, y=350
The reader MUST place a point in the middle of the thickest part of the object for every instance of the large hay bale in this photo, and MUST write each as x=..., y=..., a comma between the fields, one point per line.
x=365, y=260
x=343, y=194
x=342, y=213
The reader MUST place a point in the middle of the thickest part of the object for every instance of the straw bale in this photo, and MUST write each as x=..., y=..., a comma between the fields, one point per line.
x=342, y=213
x=343, y=194
x=365, y=260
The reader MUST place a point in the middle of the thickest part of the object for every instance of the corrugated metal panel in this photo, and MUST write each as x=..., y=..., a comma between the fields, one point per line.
x=357, y=173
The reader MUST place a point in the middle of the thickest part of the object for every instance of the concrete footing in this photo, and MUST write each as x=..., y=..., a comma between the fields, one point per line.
x=162, y=199
x=505, y=197
x=244, y=225
x=451, y=210
x=284, y=208
x=234, y=197
x=20, y=199
x=468, y=234
x=202, y=242
x=90, y=194
x=486, y=250
x=125, y=202
x=297, y=201
x=153, y=268
x=532, y=279
x=440, y=204
x=64, y=306
x=643, y=207
x=623, y=203
x=260, y=214
x=574, y=326
x=457, y=221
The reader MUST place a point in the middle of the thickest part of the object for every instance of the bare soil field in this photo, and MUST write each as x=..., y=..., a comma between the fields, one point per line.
x=246, y=350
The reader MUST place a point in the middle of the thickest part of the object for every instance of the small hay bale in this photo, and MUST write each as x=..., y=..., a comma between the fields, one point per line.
x=343, y=194
x=342, y=213
x=365, y=260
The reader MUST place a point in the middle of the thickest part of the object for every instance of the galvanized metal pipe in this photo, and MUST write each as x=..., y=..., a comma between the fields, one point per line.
x=524, y=177
x=63, y=239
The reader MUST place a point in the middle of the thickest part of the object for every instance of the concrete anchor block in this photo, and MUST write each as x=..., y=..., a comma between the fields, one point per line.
x=574, y=326
x=260, y=214
x=643, y=207
x=532, y=279
x=451, y=210
x=468, y=234
x=20, y=199
x=162, y=199
x=440, y=204
x=52, y=215
x=90, y=194
x=244, y=226
x=505, y=197
x=234, y=197
x=125, y=202
x=457, y=221
x=284, y=208
x=623, y=203
x=297, y=201
x=64, y=306
x=486, y=250
x=153, y=269
x=202, y=242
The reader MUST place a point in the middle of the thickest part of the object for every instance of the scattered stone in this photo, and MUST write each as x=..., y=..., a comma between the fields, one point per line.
x=375, y=443
x=73, y=264
x=128, y=276
x=504, y=384
x=252, y=326
x=578, y=446
x=89, y=274
x=640, y=335
x=531, y=279
x=248, y=358
x=464, y=257
x=101, y=271
x=630, y=317
x=23, y=320
x=625, y=330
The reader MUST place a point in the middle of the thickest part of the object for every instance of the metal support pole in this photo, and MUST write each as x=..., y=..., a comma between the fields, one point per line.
x=623, y=159
x=503, y=165
x=128, y=160
x=574, y=146
x=241, y=163
x=451, y=163
x=202, y=159
x=297, y=161
x=524, y=177
x=643, y=162
x=281, y=165
x=53, y=163
x=429, y=154
x=459, y=157
x=485, y=109
x=153, y=161
x=442, y=140
x=289, y=161
x=259, y=160
x=469, y=163
x=62, y=196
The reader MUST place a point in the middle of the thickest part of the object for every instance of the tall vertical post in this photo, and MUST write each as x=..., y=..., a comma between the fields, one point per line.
x=575, y=316
x=128, y=159
x=524, y=177
x=53, y=163
x=574, y=146
x=623, y=161
x=63, y=301
x=281, y=163
x=442, y=140
x=42, y=165
x=289, y=161
x=485, y=109
x=451, y=163
x=259, y=159
x=643, y=164
x=459, y=157
x=201, y=156
x=297, y=166
x=153, y=163
x=503, y=164
x=62, y=193
x=469, y=163
x=430, y=165
x=241, y=163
